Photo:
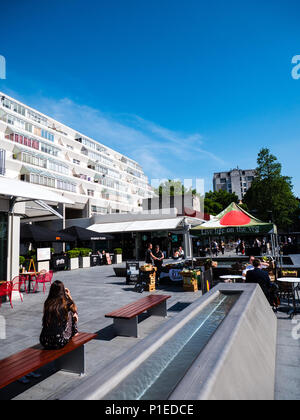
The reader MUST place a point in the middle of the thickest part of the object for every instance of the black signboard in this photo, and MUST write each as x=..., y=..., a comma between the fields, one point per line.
x=59, y=262
x=95, y=260
x=132, y=272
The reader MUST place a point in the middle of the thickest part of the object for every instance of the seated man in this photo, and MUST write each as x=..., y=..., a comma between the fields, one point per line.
x=259, y=276
x=248, y=267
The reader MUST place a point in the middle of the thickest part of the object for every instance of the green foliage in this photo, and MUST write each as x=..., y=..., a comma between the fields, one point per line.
x=270, y=197
x=173, y=188
x=215, y=202
x=82, y=252
x=21, y=260
x=73, y=253
x=118, y=250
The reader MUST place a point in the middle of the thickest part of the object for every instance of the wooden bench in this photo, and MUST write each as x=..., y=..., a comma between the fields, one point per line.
x=70, y=358
x=126, y=318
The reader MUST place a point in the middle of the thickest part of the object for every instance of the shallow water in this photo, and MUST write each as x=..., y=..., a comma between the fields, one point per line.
x=157, y=376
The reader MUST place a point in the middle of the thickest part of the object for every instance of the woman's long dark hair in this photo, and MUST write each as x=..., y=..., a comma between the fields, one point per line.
x=57, y=305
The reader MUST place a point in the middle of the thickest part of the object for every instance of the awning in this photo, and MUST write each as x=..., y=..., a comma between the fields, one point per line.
x=35, y=233
x=234, y=220
x=82, y=234
x=138, y=226
x=26, y=190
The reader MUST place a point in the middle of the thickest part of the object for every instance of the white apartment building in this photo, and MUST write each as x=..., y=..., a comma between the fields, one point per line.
x=236, y=181
x=41, y=150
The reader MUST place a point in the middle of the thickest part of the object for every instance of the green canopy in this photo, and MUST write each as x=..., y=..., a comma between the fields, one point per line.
x=234, y=221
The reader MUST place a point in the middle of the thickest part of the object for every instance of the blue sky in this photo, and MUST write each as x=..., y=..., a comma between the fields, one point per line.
x=186, y=88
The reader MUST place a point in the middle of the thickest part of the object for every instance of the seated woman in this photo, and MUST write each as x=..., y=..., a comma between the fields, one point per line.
x=60, y=318
x=176, y=254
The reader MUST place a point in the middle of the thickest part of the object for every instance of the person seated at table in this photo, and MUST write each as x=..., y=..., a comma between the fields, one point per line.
x=60, y=318
x=176, y=254
x=181, y=252
x=259, y=276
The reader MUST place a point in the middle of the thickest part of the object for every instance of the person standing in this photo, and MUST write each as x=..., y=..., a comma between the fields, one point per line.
x=149, y=257
x=158, y=261
x=222, y=247
x=237, y=249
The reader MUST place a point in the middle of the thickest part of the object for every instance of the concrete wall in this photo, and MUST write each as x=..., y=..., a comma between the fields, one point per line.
x=238, y=362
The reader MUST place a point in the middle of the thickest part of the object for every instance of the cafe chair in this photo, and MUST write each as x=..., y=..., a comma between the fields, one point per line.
x=21, y=280
x=42, y=278
x=6, y=290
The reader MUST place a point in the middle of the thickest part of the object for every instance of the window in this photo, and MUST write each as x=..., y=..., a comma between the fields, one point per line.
x=76, y=161
x=90, y=193
x=13, y=106
x=97, y=209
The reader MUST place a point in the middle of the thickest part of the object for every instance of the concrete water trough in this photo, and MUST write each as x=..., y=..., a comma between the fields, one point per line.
x=223, y=346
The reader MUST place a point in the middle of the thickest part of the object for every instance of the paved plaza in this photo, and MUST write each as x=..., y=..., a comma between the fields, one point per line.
x=98, y=291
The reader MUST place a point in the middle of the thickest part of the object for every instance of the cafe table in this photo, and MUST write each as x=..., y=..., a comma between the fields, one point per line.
x=294, y=281
x=29, y=275
x=231, y=278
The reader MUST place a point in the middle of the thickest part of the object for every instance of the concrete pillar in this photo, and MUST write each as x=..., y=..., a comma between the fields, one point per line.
x=61, y=209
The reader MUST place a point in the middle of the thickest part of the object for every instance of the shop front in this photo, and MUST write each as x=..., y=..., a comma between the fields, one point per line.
x=3, y=245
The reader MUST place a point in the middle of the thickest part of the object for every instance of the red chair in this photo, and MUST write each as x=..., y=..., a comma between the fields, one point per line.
x=16, y=287
x=6, y=290
x=21, y=280
x=43, y=278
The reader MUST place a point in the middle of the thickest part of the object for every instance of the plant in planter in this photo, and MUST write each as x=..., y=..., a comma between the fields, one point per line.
x=190, y=280
x=118, y=255
x=21, y=262
x=73, y=255
x=84, y=257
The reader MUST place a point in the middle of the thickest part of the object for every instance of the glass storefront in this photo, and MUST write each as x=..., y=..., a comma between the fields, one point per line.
x=3, y=245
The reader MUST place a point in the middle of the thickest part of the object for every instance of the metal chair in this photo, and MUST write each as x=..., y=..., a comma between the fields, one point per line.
x=6, y=290
x=21, y=279
x=43, y=278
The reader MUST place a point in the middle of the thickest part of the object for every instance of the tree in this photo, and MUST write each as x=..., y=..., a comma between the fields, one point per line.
x=270, y=196
x=172, y=188
x=215, y=202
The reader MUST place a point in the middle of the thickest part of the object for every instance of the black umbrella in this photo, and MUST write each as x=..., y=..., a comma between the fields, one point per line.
x=35, y=233
x=82, y=234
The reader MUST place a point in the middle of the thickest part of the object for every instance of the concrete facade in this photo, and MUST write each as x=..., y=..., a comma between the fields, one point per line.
x=236, y=181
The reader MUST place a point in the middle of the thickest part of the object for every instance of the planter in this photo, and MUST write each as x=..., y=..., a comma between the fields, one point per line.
x=191, y=287
x=73, y=263
x=148, y=267
x=118, y=259
x=84, y=262
x=120, y=271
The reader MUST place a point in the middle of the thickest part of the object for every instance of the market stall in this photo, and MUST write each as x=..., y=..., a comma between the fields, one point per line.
x=236, y=222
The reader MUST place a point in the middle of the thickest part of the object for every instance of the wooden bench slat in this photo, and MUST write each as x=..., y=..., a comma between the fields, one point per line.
x=132, y=309
x=20, y=364
x=38, y=355
x=37, y=352
x=136, y=308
